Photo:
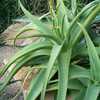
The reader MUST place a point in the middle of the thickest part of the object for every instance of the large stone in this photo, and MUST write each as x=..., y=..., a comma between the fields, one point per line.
x=13, y=30
x=6, y=52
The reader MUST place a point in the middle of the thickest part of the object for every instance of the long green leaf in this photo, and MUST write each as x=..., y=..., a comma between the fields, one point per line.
x=64, y=62
x=72, y=84
x=81, y=94
x=36, y=86
x=54, y=54
x=43, y=77
x=31, y=48
x=61, y=12
x=77, y=71
x=74, y=6
x=34, y=34
x=38, y=25
x=86, y=20
x=93, y=56
x=20, y=63
x=81, y=50
x=92, y=92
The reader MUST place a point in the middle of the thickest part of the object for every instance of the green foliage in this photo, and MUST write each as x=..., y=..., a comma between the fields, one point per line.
x=8, y=11
x=66, y=49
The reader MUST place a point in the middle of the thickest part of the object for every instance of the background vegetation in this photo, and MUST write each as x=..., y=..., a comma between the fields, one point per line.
x=9, y=9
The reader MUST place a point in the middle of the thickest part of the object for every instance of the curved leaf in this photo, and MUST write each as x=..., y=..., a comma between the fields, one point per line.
x=92, y=92
x=20, y=63
x=93, y=56
x=53, y=57
x=77, y=71
x=28, y=49
x=38, y=25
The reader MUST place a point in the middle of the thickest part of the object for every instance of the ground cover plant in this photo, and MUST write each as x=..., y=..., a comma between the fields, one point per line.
x=66, y=49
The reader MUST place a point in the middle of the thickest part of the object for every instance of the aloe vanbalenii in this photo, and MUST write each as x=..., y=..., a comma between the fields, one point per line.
x=61, y=49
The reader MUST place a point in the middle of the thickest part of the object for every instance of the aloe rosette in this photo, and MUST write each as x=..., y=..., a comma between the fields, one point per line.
x=59, y=50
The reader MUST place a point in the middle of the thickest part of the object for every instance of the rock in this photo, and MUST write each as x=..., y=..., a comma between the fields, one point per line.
x=6, y=52
x=13, y=30
x=11, y=91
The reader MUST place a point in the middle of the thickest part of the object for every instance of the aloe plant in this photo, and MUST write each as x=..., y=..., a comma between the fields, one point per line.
x=66, y=49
